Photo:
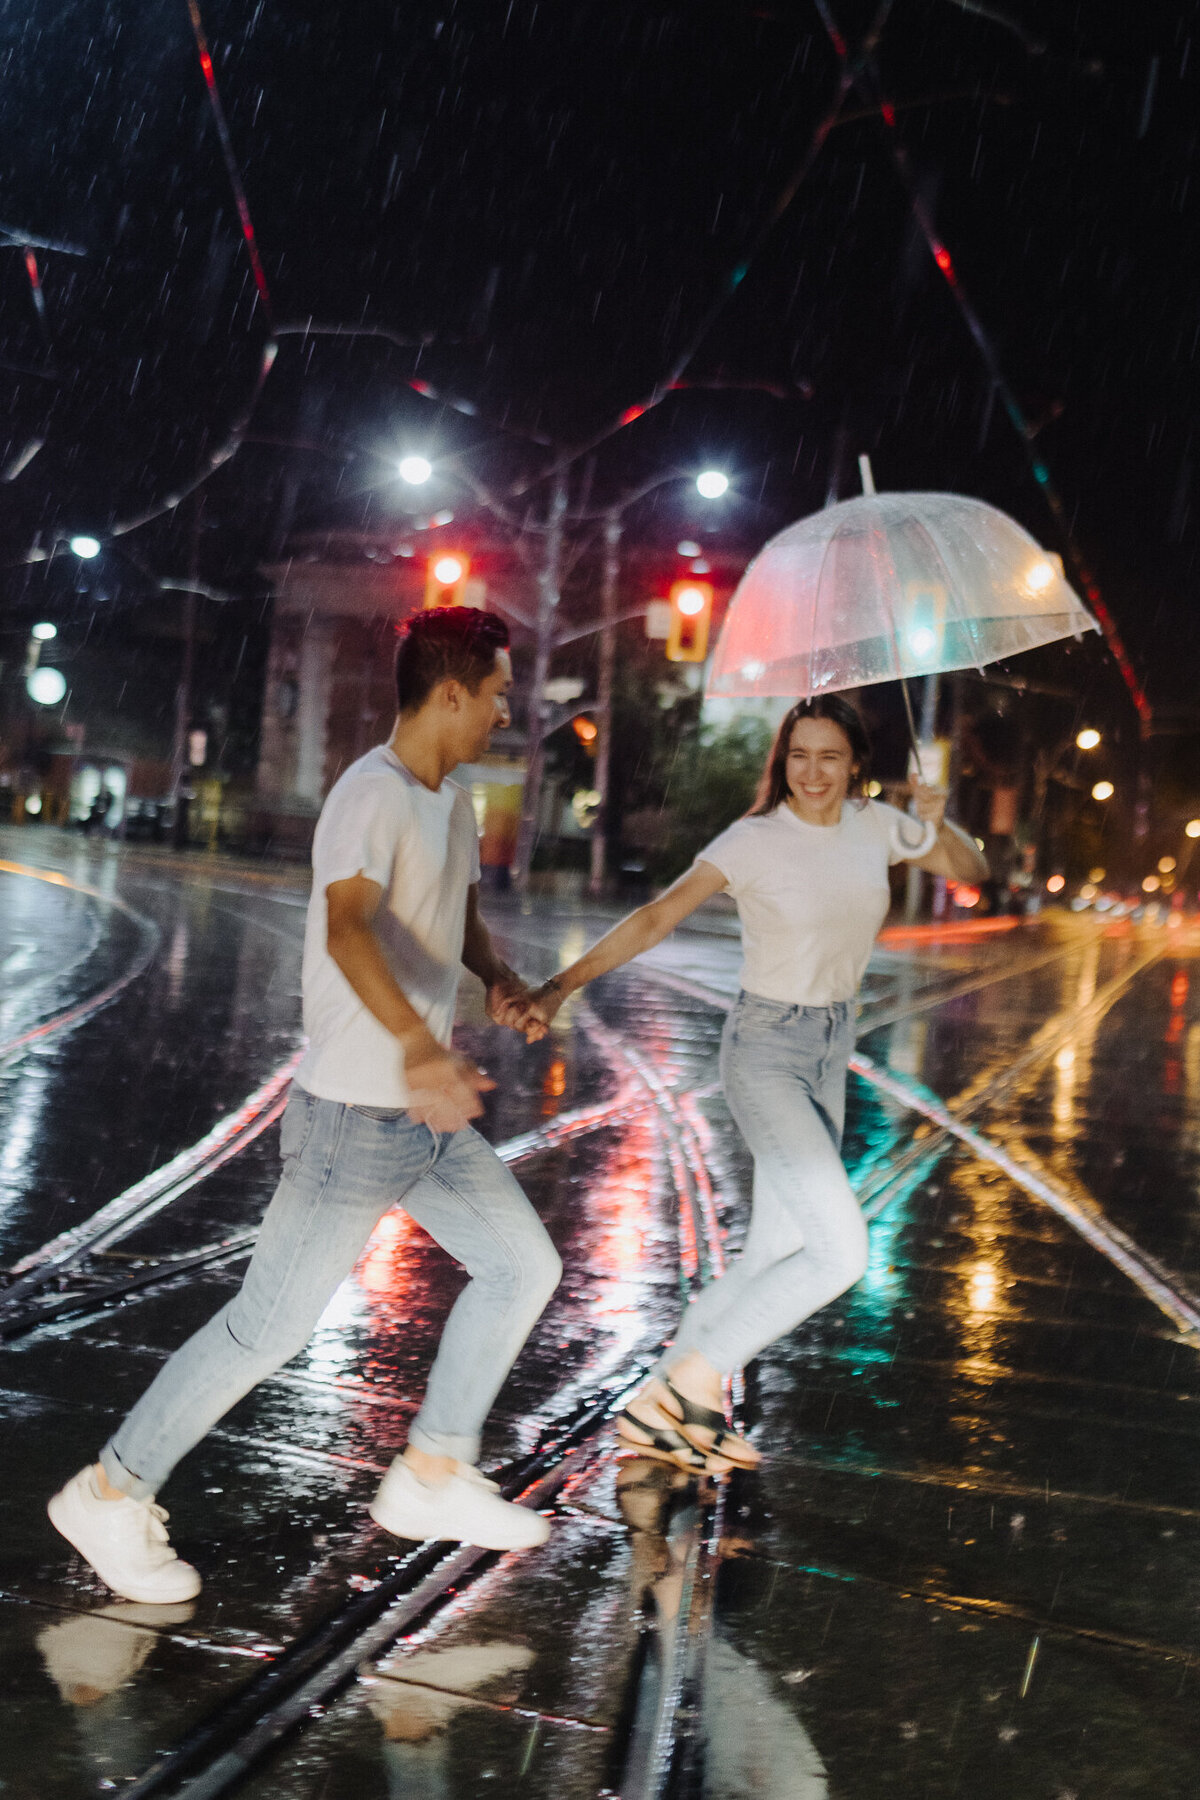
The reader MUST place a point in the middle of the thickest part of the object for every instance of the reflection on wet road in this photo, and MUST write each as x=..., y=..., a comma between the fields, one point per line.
x=969, y=1565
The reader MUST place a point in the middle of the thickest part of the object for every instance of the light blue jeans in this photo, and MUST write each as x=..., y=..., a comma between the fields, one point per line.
x=343, y=1167
x=784, y=1073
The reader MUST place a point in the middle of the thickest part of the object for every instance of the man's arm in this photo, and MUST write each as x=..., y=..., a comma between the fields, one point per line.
x=505, y=988
x=445, y=1087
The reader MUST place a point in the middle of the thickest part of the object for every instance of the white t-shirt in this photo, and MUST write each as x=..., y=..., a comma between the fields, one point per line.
x=812, y=897
x=423, y=850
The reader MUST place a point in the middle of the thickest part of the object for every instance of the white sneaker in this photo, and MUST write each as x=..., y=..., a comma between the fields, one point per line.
x=125, y=1541
x=466, y=1508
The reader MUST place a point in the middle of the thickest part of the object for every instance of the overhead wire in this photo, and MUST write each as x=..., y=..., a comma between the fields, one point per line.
x=231, y=166
x=865, y=77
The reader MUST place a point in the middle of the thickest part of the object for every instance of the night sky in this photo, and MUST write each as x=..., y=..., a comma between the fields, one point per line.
x=554, y=196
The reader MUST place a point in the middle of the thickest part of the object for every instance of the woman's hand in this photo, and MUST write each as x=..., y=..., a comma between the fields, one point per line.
x=928, y=804
x=541, y=1005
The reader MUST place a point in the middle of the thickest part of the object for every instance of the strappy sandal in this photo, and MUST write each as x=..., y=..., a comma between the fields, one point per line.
x=661, y=1444
x=726, y=1444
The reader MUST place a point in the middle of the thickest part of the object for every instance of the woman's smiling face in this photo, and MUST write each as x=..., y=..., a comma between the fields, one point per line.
x=820, y=768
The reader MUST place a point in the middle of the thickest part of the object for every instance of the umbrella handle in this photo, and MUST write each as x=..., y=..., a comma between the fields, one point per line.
x=912, y=724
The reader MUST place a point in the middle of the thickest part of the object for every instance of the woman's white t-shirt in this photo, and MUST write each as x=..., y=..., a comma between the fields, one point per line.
x=422, y=847
x=812, y=898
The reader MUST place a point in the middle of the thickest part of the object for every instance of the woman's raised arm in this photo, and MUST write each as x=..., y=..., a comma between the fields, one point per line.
x=641, y=930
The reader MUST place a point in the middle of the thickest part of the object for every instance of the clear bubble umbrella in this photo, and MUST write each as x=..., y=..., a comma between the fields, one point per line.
x=888, y=586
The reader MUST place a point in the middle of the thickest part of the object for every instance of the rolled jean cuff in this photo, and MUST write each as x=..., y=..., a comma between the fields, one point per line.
x=457, y=1445
x=120, y=1476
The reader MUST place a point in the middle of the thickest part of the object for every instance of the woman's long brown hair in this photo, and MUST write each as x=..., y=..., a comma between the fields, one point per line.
x=773, y=787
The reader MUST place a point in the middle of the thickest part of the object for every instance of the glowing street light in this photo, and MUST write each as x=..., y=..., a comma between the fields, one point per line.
x=1103, y=790
x=46, y=687
x=448, y=570
x=84, y=547
x=44, y=631
x=415, y=470
x=1166, y=864
x=1151, y=884
x=1192, y=828
x=711, y=484
x=1087, y=738
x=1056, y=884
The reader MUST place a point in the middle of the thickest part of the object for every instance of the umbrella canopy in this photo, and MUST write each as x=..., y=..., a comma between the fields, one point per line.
x=887, y=586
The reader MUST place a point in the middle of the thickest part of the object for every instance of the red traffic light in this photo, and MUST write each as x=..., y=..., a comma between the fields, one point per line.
x=691, y=616
x=446, y=576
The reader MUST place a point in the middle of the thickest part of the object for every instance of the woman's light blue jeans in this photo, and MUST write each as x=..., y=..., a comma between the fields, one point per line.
x=343, y=1167
x=784, y=1074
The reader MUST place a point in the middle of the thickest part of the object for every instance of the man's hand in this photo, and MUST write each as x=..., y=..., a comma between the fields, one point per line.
x=929, y=803
x=541, y=1004
x=509, y=1003
x=507, y=996
x=443, y=1087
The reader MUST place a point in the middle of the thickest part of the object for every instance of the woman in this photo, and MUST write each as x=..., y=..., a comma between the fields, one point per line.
x=808, y=870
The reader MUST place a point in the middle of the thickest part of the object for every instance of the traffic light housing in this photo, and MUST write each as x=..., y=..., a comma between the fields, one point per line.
x=446, y=576
x=691, y=617
x=925, y=622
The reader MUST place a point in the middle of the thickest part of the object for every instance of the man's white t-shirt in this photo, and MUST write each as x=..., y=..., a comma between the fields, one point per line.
x=812, y=897
x=422, y=847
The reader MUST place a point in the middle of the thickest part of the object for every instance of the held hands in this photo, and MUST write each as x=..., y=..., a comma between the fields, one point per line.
x=524, y=1009
x=541, y=1005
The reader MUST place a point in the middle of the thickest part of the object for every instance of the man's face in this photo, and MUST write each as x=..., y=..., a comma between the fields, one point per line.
x=487, y=708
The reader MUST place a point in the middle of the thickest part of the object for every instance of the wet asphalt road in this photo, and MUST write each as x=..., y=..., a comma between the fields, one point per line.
x=970, y=1564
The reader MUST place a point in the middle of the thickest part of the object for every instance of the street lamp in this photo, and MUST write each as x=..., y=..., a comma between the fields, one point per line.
x=416, y=470
x=46, y=686
x=1087, y=738
x=1103, y=790
x=84, y=547
x=44, y=631
x=1192, y=828
x=711, y=484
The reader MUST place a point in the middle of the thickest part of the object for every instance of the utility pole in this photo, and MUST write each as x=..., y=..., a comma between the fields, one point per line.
x=549, y=592
x=610, y=578
x=181, y=788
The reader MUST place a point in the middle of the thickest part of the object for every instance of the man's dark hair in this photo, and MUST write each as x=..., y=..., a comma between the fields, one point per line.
x=446, y=643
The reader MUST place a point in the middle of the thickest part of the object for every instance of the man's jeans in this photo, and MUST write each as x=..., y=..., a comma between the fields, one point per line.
x=784, y=1073
x=343, y=1167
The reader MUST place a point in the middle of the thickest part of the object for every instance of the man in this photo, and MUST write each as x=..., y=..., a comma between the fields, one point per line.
x=379, y=1113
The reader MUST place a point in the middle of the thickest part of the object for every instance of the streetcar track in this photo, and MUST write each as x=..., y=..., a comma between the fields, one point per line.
x=78, y=1011
x=256, y=1720
x=357, y=1632
x=135, y=1205
x=1159, y=1284
x=319, y=1663
x=306, y=1675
